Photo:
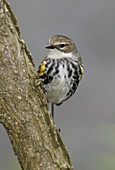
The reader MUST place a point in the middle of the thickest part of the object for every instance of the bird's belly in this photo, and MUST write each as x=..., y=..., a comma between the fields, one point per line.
x=57, y=90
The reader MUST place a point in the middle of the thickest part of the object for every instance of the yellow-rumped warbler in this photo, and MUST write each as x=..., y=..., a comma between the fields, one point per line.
x=61, y=70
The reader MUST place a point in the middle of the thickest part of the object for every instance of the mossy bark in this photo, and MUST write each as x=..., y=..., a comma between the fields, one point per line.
x=23, y=108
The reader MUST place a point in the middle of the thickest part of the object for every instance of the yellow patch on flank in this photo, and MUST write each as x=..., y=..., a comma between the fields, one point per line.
x=42, y=68
x=82, y=71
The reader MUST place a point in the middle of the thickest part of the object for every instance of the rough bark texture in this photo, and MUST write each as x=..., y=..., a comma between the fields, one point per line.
x=23, y=108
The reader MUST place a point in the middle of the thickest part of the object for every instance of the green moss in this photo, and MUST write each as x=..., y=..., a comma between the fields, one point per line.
x=27, y=51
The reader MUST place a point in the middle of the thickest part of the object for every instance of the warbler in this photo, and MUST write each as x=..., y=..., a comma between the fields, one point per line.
x=61, y=70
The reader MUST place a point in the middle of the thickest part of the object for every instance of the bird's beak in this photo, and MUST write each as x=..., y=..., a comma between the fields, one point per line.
x=50, y=47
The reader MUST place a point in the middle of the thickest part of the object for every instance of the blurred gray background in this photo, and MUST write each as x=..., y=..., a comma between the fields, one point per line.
x=87, y=120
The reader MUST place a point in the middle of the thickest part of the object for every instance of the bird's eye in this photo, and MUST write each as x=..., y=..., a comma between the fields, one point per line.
x=62, y=45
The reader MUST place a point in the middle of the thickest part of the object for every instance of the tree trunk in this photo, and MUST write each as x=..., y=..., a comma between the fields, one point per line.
x=23, y=107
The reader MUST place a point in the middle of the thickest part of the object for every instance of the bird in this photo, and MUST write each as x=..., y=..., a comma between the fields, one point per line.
x=61, y=70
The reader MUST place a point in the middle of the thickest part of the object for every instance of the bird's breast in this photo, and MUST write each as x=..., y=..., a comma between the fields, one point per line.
x=59, y=86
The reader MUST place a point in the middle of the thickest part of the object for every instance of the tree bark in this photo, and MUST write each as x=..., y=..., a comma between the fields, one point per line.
x=23, y=107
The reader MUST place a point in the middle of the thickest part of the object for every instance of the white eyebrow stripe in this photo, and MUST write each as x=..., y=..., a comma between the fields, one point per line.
x=58, y=43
